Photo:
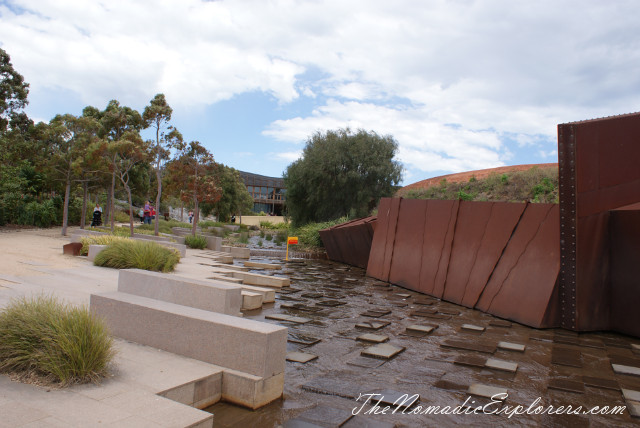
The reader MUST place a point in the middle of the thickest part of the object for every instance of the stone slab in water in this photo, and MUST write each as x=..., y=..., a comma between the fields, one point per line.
x=509, y=346
x=506, y=366
x=627, y=370
x=598, y=382
x=566, y=385
x=383, y=351
x=487, y=391
x=373, y=325
x=300, y=357
x=330, y=386
x=369, y=363
x=375, y=338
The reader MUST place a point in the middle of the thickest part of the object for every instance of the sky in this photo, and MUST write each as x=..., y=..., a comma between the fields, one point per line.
x=459, y=84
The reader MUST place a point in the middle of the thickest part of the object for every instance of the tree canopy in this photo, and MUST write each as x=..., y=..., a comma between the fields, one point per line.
x=341, y=173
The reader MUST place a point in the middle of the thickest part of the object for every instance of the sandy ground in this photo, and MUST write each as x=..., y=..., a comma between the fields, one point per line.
x=22, y=250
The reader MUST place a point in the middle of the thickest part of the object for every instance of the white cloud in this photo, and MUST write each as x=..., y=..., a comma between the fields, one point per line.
x=287, y=156
x=460, y=84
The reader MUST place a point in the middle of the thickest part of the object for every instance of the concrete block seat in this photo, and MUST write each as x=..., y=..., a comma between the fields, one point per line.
x=237, y=252
x=214, y=296
x=252, y=351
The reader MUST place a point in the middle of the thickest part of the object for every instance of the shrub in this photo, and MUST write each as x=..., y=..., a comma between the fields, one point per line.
x=243, y=238
x=273, y=226
x=38, y=214
x=97, y=240
x=197, y=241
x=309, y=236
x=268, y=237
x=123, y=217
x=57, y=342
x=129, y=254
x=281, y=237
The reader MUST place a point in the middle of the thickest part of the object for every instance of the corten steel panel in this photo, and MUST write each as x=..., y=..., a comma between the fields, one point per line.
x=436, y=245
x=502, y=221
x=383, y=239
x=625, y=270
x=598, y=171
x=470, y=230
x=523, y=282
x=407, y=257
x=349, y=242
x=443, y=265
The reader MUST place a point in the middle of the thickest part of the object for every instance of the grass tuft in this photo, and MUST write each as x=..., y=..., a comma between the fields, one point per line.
x=129, y=254
x=97, y=240
x=198, y=241
x=57, y=343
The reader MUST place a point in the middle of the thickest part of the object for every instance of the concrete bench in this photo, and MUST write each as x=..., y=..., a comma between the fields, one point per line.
x=208, y=295
x=259, y=280
x=249, y=346
x=252, y=352
x=251, y=300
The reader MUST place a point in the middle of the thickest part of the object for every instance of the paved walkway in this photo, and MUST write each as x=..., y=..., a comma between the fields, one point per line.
x=129, y=397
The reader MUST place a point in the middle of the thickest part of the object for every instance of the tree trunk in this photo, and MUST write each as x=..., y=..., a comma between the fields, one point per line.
x=65, y=210
x=85, y=196
x=130, y=210
x=113, y=202
x=158, y=213
x=196, y=217
x=181, y=210
x=107, y=206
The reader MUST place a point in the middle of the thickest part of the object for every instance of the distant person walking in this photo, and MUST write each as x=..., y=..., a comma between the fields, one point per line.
x=190, y=216
x=97, y=216
x=146, y=211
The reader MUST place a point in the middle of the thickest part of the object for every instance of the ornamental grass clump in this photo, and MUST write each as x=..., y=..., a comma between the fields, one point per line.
x=54, y=342
x=97, y=240
x=130, y=254
x=197, y=241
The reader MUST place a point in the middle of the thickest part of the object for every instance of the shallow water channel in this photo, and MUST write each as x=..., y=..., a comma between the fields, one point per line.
x=556, y=368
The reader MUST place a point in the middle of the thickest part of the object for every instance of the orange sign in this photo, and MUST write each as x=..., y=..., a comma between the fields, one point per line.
x=292, y=240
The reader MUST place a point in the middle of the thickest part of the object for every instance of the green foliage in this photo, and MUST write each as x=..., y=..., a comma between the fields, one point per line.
x=235, y=197
x=341, y=173
x=281, y=237
x=97, y=240
x=262, y=233
x=274, y=226
x=197, y=241
x=260, y=242
x=243, y=238
x=309, y=236
x=13, y=90
x=38, y=214
x=130, y=254
x=58, y=342
x=268, y=237
x=533, y=185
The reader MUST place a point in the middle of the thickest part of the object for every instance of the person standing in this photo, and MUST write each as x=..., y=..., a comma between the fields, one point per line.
x=146, y=211
x=190, y=216
x=97, y=216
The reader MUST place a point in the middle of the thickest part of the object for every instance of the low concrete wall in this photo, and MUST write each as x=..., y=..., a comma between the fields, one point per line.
x=237, y=252
x=260, y=280
x=214, y=243
x=208, y=295
x=254, y=220
x=94, y=250
x=248, y=346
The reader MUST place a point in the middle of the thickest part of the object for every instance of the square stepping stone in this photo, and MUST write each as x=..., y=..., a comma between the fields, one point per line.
x=438, y=316
x=598, y=382
x=511, y=346
x=627, y=370
x=488, y=391
x=365, y=362
x=300, y=357
x=403, y=295
x=423, y=312
x=450, y=386
x=630, y=394
x=373, y=314
x=384, y=351
x=302, y=340
x=329, y=386
x=472, y=327
x=471, y=360
x=373, y=325
x=506, y=366
x=288, y=318
x=330, y=303
x=397, y=399
x=326, y=416
x=374, y=338
x=449, y=312
x=312, y=295
x=566, y=385
x=421, y=330
x=566, y=357
x=424, y=302
x=634, y=408
x=635, y=347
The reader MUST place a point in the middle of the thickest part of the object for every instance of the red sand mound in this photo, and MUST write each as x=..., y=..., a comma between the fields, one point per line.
x=479, y=174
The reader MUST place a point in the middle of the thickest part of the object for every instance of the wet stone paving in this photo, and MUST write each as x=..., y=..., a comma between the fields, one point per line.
x=356, y=345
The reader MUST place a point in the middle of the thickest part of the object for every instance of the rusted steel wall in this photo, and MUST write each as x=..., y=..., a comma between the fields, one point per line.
x=624, y=229
x=349, y=242
x=599, y=170
x=502, y=258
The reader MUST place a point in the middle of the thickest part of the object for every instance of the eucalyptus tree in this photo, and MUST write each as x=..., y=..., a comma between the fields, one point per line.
x=197, y=172
x=69, y=137
x=115, y=121
x=157, y=116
